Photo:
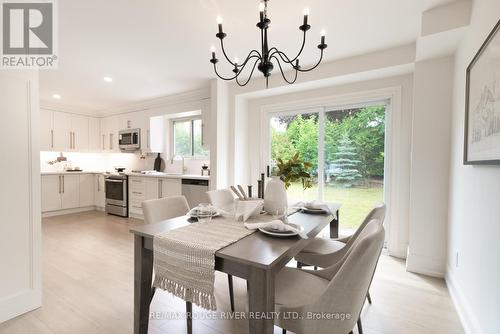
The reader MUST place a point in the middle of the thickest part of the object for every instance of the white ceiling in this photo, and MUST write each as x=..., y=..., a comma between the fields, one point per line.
x=153, y=48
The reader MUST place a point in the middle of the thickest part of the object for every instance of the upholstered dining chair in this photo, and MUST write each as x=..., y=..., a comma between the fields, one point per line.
x=338, y=290
x=156, y=210
x=322, y=252
x=223, y=199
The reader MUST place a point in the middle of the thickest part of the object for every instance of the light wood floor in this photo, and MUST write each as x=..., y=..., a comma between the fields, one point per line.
x=88, y=288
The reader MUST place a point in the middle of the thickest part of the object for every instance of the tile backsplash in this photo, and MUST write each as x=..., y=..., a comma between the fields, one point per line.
x=108, y=161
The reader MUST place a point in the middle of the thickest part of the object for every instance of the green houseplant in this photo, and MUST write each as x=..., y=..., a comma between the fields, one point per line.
x=294, y=170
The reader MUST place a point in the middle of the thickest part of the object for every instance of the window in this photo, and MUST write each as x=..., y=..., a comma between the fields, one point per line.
x=188, y=138
x=346, y=148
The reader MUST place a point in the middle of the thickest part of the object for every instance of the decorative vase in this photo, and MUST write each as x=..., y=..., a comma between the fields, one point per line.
x=275, y=198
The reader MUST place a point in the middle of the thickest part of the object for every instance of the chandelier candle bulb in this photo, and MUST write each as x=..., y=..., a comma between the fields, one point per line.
x=219, y=23
x=323, y=34
x=306, y=15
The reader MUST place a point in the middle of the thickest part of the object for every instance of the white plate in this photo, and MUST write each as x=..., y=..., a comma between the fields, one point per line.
x=282, y=234
x=193, y=213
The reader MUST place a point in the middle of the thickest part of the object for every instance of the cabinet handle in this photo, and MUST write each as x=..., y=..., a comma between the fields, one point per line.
x=52, y=138
x=148, y=131
x=60, y=191
x=63, y=185
x=98, y=184
x=136, y=192
x=160, y=186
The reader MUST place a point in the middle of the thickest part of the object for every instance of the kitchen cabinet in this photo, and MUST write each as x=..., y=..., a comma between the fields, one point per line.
x=63, y=138
x=62, y=131
x=143, y=188
x=80, y=133
x=46, y=130
x=109, y=134
x=86, y=190
x=170, y=187
x=60, y=192
x=94, y=134
x=99, y=188
x=70, y=196
x=51, y=193
x=157, y=134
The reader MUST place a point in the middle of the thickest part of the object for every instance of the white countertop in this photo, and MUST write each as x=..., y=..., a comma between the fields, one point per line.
x=160, y=175
x=172, y=176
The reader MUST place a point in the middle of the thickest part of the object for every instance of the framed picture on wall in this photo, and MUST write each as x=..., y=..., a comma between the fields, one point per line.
x=482, y=104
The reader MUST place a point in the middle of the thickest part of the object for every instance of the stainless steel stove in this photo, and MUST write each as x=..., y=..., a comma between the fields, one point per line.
x=117, y=194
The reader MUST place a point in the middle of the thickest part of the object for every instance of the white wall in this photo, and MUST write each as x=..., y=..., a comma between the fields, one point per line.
x=432, y=96
x=20, y=228
x=474, y=207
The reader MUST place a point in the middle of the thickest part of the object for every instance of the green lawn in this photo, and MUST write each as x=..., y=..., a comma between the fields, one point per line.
x=356, y=202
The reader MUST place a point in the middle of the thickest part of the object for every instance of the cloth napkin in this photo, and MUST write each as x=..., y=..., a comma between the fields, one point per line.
x=329, y=207
x=248, y=209
x=276, y=225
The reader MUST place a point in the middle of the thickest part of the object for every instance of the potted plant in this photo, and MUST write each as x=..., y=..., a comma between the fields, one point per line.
x=294, y=170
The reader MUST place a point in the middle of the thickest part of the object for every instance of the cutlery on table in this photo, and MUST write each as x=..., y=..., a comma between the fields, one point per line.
x=245, y=197
x=237, y=193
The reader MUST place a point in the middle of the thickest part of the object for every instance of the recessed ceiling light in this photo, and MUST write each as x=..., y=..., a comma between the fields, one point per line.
x=108, y=79
x=56, y=96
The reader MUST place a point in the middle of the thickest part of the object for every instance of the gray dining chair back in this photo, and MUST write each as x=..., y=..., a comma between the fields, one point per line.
x=345, y=293
x=221, y=198
x=156, y=210
x=377, y=213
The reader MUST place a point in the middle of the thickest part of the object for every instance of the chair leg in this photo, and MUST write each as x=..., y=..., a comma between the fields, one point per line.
x=369, y=298
x=299, y=264
x=231, y=291
x=284, y=331
x=360, y=328
x=189, y=317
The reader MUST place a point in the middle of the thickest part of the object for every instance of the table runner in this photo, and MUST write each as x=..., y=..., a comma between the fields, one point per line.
x=184, y=258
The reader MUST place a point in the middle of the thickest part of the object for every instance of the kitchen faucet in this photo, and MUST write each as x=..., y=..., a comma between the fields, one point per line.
x=180, y=156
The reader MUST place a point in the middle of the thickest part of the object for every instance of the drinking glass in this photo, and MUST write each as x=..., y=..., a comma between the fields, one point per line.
x=204, y=213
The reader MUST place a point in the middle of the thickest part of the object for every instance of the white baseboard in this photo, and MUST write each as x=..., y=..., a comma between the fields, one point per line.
x=424, y=265
x=15, y=305
x=70, y=211
x=136, y=216
x=469, y=321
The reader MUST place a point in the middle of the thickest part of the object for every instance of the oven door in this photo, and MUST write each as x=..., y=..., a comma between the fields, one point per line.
x=116, y=192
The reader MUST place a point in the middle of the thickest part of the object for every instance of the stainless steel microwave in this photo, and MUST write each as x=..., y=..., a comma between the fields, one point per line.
x=129, y=140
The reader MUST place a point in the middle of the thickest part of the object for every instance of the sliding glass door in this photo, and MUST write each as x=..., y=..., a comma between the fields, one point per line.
x=345, y=146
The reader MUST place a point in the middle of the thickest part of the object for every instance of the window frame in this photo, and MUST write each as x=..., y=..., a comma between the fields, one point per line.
x=191, y=120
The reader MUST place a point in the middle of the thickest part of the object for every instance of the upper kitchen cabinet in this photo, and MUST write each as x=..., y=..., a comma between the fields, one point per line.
x=62, y=131
x=95, y=144
x=157, y=134
x=46, y=130
x=63, y=138
x=109, y=134
x=80, y=133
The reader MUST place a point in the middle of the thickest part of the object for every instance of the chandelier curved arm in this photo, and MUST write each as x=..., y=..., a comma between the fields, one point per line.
x=275, y=50
x=283, y=73
x=312, y=68
x=249, y=77
x=248, y=57
x=239, y=72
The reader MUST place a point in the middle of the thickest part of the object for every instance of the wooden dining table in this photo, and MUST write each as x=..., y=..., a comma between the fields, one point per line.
x=256, y=258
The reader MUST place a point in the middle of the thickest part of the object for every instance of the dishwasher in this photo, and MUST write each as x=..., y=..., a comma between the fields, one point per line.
x=195, y=191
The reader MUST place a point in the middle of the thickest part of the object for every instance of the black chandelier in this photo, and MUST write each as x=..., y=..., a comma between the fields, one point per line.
x=265, y=58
